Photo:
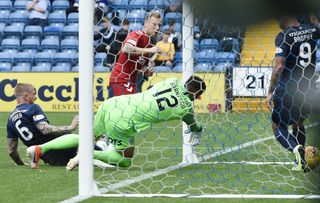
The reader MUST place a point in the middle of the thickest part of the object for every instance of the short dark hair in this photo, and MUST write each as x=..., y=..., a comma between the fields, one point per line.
x=195, y=84
x=125, y=22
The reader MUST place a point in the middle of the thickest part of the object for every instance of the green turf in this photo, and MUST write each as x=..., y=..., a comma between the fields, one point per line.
x=159, y=148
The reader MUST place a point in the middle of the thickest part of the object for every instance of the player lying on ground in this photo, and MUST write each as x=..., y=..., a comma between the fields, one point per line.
x=293, y=85
x=29, y=123
x=121, y=118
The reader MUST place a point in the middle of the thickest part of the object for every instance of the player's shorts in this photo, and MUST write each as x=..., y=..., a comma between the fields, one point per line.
x=59, y=157
x=289, y=108
x=118, y=89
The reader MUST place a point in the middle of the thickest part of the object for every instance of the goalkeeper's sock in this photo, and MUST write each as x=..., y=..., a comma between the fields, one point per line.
x=285, y=138
x=112, y=157
x=64, y=142
x=300, y=134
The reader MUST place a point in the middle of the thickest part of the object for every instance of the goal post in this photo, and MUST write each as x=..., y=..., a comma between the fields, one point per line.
x=238, y=156
x=86, y=16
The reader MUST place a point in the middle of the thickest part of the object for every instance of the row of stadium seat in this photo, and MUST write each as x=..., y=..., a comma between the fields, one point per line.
x=22, y=16
x=64, y=4
x=21, y=5
x=33, y=45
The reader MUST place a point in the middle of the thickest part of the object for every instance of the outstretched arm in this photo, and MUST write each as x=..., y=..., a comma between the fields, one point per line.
x=130, y=49
x=13, y=152
x=45, y=128
x=191, y=122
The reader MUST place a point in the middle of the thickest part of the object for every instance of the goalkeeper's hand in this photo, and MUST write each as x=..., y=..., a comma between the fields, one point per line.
x=195, y=137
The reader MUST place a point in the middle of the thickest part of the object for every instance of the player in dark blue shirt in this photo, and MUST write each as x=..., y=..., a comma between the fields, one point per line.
x=293, y=84
x=29, y=123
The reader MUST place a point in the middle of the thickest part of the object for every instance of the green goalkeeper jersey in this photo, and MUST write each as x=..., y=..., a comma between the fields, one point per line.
x=120, y=118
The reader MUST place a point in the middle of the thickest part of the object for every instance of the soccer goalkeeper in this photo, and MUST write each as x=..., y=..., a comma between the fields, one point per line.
x=121, y=118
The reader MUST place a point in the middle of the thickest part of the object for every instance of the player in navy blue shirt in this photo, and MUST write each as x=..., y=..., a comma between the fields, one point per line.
x=29, y=123
x=293, y=84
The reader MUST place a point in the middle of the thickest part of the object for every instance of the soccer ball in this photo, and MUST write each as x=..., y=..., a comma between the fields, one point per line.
x=312, y=156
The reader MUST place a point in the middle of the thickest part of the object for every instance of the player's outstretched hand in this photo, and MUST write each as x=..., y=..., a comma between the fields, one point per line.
x=269, y=101
x=75, y=122
x=155, y=49
x=195, y=138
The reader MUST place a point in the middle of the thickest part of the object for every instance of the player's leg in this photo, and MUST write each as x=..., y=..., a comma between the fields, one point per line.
x=111, y=157
x=299, y=133
x=64, y=142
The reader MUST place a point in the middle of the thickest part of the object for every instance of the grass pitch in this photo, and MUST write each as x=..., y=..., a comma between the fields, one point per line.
x=236, y=171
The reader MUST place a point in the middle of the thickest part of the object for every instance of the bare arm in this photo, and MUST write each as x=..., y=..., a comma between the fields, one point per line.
x=13, y=152
x=276, y=72
x=45, y=128
x=130, y=49
x=31, y=6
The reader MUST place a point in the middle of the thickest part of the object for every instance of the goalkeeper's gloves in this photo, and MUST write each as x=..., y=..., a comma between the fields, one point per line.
x=195, y=137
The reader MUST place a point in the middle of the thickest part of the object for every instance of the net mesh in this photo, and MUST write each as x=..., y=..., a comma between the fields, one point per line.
x=238, y=153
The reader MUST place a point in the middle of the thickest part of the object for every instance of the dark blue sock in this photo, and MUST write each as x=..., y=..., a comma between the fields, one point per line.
x=285, y=138
x=300, y=134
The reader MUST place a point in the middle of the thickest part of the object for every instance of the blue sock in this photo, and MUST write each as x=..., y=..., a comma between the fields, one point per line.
x=285, y=138
x=300, y=134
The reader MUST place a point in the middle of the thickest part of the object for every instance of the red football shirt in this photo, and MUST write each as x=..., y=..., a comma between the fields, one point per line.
x=126, y=67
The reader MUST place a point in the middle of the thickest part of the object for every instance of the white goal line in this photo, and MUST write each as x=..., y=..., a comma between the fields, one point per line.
x=248, y=162
x=127, y=182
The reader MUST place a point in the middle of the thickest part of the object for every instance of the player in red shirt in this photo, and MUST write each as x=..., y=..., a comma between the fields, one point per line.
x=135, y=56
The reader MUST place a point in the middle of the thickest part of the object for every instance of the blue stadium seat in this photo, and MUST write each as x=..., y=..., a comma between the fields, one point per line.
x=318, y=56
x=18, y=17
x=318, y=43
x=157, y=4
x=50, y=45
x=6, y=61
x=4, y=16
x=318, y=68
x=196, y=45
x=63, y=59
x=60, y=68
x=20, y=5
x=13, y=31
x=173, y=15
x=177, y=68
x=33, y=31
x=101, y=69
x=20, y=69
x=75, y=59
x=136, y=16
x=75, y=69
x=209, y=44
x=162, y=69
x=221, y=67
x=57, y=17
x=119, y=4
x=11, y=45
x=2, y=27
x=225, y=57
x=203, y=67
x=70, y=31
x=205, y=56
x=69, y=45
x=23, y=62
x=99, y=58
x=5, y=5
x=43, y=68
x=60, y=5
x=43, y=60
x=178, y=57
x=52, y=32
x=135, y=26
x=73, y=18
x=30, y=45
x=138, y=4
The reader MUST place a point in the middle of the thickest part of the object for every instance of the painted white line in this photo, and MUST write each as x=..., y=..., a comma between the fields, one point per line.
x=248, y=162
x=217, y=196
x=127, y=182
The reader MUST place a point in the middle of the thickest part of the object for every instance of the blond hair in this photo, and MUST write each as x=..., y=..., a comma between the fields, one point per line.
x=21, y=88
x=154, y=13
